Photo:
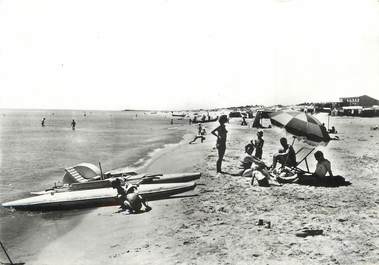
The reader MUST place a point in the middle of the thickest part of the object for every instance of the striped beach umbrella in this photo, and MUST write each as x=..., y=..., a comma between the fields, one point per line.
x=302, y=125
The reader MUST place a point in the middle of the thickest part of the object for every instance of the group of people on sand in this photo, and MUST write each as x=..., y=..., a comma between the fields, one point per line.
x=287, y=171
x=253, y=166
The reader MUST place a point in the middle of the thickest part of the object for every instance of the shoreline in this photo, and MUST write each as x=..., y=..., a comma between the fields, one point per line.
x=142, y=163
x=26, y=243
x=109, y=222
x=30, y=245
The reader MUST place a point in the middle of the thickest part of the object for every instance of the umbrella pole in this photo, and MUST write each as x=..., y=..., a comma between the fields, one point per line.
x=305, y=159
x=328, y=121
x=306, y=163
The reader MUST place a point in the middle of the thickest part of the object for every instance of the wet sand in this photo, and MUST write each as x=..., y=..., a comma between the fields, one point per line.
x=219, y=225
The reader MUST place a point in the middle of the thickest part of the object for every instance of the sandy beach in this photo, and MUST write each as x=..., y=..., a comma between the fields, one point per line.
x=216, y=224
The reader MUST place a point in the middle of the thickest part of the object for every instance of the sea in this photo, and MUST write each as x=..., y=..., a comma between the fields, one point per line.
x=33, y=158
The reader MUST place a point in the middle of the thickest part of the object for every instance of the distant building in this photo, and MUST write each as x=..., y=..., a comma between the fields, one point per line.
x=363, y=101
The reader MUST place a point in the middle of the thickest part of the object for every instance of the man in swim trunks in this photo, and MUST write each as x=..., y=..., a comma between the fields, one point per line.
x=285, y=156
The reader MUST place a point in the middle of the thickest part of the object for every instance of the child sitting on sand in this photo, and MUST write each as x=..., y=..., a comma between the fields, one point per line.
x=130, y=200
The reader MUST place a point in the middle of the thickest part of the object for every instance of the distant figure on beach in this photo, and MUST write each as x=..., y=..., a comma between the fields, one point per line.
x=43, y=122
x=190, y=121
x=285, y=156
x=199, y=128
x=129, y=198
x=172, y=121
x=259, y=145
x=200, y=135
x=324, y=128
x=323, y=165
x=333, y=130
x=73, y=125
x=243, y=123
x=220, y=132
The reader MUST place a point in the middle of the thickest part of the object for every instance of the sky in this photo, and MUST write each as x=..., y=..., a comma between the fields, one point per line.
x=150, y=54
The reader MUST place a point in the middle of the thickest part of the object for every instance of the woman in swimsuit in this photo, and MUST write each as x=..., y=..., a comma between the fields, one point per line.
x=220, y=132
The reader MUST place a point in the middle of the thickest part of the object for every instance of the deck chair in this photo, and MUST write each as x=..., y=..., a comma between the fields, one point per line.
x=303, y=154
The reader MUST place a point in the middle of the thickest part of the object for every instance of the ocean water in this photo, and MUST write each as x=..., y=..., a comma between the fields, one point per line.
x=33, y=157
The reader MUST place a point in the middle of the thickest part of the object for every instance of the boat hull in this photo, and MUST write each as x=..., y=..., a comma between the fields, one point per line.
x=95, y=197
x=152, y=179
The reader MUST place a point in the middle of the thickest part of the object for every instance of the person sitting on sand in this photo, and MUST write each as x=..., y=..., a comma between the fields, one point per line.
x=129, y=198
x=285, y=156
x=259, y=145
x=247, y=159
x=323, y=166
x=254, y=167
x=201, y=135
x=259, y=171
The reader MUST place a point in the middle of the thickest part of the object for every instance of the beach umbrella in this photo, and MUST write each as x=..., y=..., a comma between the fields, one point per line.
x=302, y=125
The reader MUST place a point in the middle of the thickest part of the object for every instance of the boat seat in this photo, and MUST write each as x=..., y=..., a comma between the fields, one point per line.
x=75, y=175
